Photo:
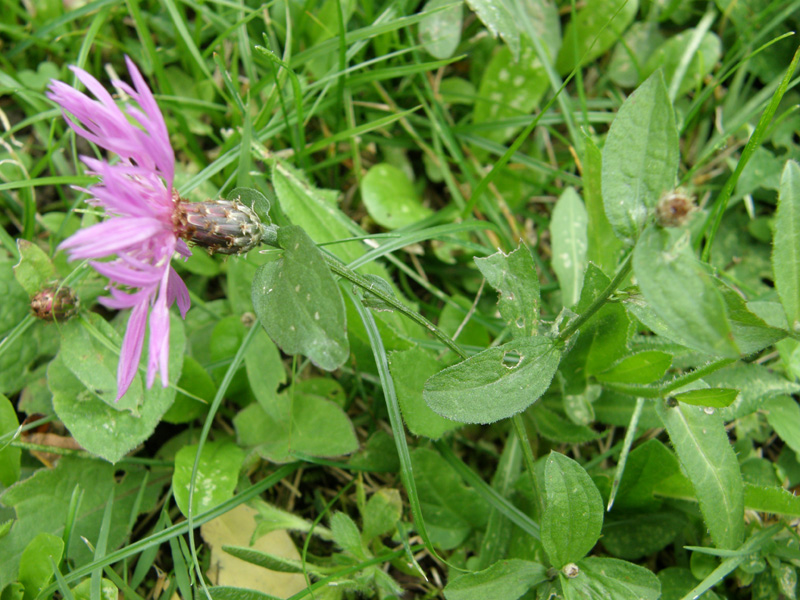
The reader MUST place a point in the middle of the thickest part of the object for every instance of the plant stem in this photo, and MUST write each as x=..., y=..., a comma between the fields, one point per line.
x=598, y=302
x=527, y=453
x=342, y=271
x=678, y=382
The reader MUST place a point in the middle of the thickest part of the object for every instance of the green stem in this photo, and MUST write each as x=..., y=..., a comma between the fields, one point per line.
x=12, y=337
x=527, y=453
x=598, y=302
x=661, y=391
x=366, y=285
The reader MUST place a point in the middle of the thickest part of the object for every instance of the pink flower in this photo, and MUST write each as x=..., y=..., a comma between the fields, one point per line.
x=137, y=194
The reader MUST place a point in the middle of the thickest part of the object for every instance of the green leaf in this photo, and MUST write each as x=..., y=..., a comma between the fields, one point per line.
x=265, y=369
x=461, y=392
x=604, y=248
x=108, y=590
x=640, y=158
x=750, y=332
x=604, y=578
x=556, y=428
x=253, y=199
x=642, y=367
x=347, y=536
x=783, y=414
x=669, y=55
x=299, y=303
x=306, y=424
x=590, y=31
x=507, y=579
x=390, y=197
x=714, y=397
x=35, y=570
x=603, y=339
x=196, y=381
x=627, y=62
x=42, y=505
x=681, y=291
x=381, y=513
x=647, y=466
x=451, y=510
x=9, y=455
x=633, y=536
x=279, y=564
x=756, y=384
x=774, y=500
x=99, y=427
x=706, y=454
x=568, y=234
x=34, y=269
x=498, y=19
x=510, y=87
x=514, y=277
x=86, y=353
x=786, y=244
x=217, y=475
x=410, y=369
x=573, y=515
x=440, y=33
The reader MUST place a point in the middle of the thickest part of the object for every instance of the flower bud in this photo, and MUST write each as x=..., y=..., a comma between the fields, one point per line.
x=223, y=226
x=54, y=304
x=674, y=208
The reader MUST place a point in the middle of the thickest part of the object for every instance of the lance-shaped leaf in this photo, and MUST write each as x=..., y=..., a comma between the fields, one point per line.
x=640, y=158
x=495, y=384
x=681, y=291
x=786, y=244
x=568, y=231
x=708, y=458
x=514, y=277
x=299, y=303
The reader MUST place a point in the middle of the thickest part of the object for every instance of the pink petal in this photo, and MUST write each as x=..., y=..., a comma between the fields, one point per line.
x=131, y=348
x=177, y=290
x=110, y=237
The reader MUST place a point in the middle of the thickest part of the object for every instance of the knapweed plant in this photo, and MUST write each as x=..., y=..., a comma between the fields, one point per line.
x=475, y=300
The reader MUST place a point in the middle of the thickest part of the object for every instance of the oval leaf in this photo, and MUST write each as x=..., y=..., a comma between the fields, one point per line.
x=595, y=28
x=507, y=579
x=573, y=516
x=643, y=367
x=487, y=387
x=440, y=32
x=681, y=291
x=217, y=474
x=299, y=303
x=390, y=197
x=640, y=158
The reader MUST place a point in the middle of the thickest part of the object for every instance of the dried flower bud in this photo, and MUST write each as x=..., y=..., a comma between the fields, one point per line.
x=674, y=208
x=54, y=304
x=571, y=570
x=223, y=226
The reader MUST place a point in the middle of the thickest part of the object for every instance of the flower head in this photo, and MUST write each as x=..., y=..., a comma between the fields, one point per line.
x=137, y=194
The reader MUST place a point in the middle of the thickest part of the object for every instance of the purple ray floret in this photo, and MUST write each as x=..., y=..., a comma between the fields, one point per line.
x=136, y=193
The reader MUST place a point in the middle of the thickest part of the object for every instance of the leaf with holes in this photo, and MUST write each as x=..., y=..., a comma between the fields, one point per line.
x=299, y=303
x=514, y=277
x=496, y=383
